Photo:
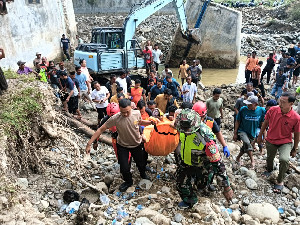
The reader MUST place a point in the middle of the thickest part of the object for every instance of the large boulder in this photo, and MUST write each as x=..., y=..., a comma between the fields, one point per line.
x=154, y=216
x=263, y=211
x=293, y=181
x=144, y=221
x=251, y=184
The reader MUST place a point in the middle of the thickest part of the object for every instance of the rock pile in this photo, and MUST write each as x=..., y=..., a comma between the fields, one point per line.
x=265, y=29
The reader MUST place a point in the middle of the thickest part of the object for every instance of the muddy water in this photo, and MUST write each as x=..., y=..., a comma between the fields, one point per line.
x=212, y=76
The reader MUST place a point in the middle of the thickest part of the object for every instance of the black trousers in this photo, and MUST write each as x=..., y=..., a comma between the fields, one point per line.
x=73, y=104
x=195, y=80
x=182, y=81
x=255, y=83
x=156, y=66
x=262, y=89
x=101, y=113
x=66, y=52
x=248, y=75
x=268, y=72
x=138, y=154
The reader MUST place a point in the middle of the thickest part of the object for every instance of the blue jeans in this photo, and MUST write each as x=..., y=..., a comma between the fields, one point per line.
x=277, y=89
x=55, y=90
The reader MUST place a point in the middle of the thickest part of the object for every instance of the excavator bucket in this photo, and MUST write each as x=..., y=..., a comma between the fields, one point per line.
x=193, y=37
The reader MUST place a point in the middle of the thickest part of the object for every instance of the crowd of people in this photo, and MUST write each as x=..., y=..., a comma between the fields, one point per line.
x=125, y=107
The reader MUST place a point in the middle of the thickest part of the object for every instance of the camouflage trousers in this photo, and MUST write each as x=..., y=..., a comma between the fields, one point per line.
x=188, y=178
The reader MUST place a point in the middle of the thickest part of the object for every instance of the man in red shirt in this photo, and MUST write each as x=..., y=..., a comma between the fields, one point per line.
x=148, y=59
x=282, y=121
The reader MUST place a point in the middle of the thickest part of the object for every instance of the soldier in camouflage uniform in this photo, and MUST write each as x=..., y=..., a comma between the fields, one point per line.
x=199, y=158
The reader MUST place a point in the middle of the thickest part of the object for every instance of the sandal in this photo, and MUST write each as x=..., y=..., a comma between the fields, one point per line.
x=277, y=188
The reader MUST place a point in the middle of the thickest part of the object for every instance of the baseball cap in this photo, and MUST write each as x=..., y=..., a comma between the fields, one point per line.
x=251, y=100
x=20, y=63
x=38, y=53
x=194, y=61
x=272, y=102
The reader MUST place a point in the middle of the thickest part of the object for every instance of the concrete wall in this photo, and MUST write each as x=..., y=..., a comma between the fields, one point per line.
x=109, y=6
x=220, y=36
x=28, y=28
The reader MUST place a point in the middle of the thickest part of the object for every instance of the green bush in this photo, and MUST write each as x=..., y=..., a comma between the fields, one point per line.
x=10, y=74
x=295, y=12
x=18, y=109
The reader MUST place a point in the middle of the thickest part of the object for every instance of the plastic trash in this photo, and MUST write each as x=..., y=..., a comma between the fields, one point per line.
x=118, y=194
x=121, y=212
x=158, y=176
x=60, y=203
x=229, y=211
x=280, y=210
x=63, y=208
x=110, y=210
x=139, y=207
x=117, y=221
x=162, y=169
x=104, y=199
x=72, y=207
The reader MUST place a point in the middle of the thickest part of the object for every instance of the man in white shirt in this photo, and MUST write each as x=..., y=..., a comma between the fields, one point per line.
x=157, y=55
x=165, y=72
x=100, y=96
x=123, y=83
x=189, y=90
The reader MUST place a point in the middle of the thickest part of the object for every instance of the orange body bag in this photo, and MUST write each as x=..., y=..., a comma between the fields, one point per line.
x=161, y=139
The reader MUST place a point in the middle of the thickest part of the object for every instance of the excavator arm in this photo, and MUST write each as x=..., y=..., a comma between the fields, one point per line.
x=145, y=10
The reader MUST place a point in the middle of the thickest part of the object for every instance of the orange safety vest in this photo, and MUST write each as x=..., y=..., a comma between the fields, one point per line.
x=145, y=116
x=210, y=123
x=136, y=94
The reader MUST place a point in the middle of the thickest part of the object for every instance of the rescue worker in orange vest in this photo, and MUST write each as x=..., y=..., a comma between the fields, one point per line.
x=145, y=112
x=200, y=108
x=137, y=92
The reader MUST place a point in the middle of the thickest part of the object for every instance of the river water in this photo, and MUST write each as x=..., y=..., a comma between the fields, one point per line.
x=211, y=76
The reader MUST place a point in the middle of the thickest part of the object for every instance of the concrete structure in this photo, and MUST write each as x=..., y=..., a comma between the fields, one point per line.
x=220, y=37
x=30, y=28
x=109, y=6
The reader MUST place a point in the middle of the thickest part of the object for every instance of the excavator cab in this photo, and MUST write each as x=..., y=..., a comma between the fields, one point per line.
x=111, y=37
x=107, y=52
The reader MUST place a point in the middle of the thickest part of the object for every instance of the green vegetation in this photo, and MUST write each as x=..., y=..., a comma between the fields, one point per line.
x=10, y=74
x=18, y=109
x=295, y=11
